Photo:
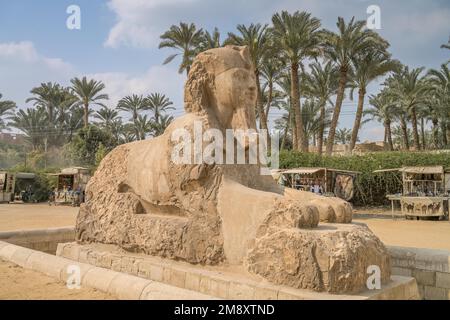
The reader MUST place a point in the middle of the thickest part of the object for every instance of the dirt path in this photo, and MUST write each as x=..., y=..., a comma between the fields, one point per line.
x=410, y=233
x=18, y=216
x=17, y=283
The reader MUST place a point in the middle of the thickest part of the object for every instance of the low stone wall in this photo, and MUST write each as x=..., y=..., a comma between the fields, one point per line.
x=119, y=285
x=45, y=240
x=430, y=267
x=218, y=282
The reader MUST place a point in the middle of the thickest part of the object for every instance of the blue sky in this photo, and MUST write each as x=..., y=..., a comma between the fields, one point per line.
x=118, y=40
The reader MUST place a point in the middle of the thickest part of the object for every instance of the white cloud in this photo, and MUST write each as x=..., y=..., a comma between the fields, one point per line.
x=22, y=67
x=20, y=50
x=162, y=79
x=420, y=25
x=26, y=52
x=139, y=21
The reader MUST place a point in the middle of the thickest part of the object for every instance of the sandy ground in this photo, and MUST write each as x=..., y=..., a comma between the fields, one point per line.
x=402, y=232
x=17, y=283
x=410, y=233
x=19, y=216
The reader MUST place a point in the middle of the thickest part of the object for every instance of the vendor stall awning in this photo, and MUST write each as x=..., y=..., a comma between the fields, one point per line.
x=315, y=170
x=424, y=170
x=387, y=170
x=303, y=170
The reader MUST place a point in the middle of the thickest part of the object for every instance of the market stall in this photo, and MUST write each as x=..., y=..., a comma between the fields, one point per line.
x=425, y=192
x=71, y=185
x=7, y=185
x=324, y=181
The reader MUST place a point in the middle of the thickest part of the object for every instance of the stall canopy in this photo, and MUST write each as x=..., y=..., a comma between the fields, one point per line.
x=315, y=170
x=303, y=170
x=424, y=170
x=418, y=170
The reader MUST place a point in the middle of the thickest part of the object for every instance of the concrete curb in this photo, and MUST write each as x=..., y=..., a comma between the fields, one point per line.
x=45, y=240
x=120, y=285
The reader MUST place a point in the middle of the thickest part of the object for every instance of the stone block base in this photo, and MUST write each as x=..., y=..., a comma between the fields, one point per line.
x=226, y=282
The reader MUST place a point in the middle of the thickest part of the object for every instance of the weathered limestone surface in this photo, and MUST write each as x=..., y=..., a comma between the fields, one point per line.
x=333, y=257
x=212, y=213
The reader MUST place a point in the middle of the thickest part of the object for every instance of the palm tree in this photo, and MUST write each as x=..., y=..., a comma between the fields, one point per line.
x=88, y=93
x=74, y=121
x=133, y=104
x=368, y=66
x=270, y=69
x=210, y=40
x=351, y=40
x=284, y=82
x=143, y=126
x=313, y=121
x=128, y=132
x=343, y=135
x=257, y=40
x=159, y=127
x=6, y=108
x=284, y=124
x=65, y=101
x=106, y=116
x=440, y=89
x=158, y=103
x=381, y=111
x=321, y=83
x=184, y=38
x=33, y=122
x=45, y=96
x=296, y=36
x=410, y=90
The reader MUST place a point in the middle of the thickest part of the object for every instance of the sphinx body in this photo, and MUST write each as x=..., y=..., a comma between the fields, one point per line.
x=213, y=213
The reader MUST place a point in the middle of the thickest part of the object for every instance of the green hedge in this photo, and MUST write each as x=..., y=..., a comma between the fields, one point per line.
x=371, y=188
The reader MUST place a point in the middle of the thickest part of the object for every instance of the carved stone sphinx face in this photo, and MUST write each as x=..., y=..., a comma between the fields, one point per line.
x=235, y=98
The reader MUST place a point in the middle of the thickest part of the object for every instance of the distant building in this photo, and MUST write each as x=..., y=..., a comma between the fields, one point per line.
x=344, y=149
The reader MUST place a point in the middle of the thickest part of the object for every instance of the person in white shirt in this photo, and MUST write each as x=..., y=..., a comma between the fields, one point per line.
x=316, y=188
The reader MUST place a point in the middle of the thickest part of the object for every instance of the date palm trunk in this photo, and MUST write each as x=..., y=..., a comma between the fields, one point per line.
x=295, y=94
x=422, y=132
x=404, y=128
x=262, y=114
x=435, y=122
x=415, y=129
x=387, y=125
x=321, y=129
x=269, y=99
x=337, y=109
x=288, y=125
x=259, y=104
x=86, y=115
x=358, y=117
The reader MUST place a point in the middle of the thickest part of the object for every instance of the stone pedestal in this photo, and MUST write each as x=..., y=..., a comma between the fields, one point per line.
x=224, y=282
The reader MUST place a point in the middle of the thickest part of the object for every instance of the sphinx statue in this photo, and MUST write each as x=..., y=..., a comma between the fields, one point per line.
x=213, y=213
